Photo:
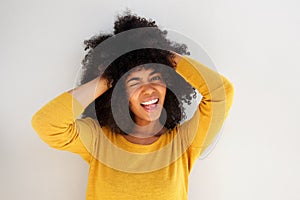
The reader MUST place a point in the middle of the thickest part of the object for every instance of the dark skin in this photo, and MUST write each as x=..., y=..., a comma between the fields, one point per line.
x=148, y=130
x=158, y=50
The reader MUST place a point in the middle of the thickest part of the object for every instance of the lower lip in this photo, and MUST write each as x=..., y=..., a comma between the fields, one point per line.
x=150, y=108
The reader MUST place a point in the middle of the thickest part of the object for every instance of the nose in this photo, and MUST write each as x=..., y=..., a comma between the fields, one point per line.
x=147, y=89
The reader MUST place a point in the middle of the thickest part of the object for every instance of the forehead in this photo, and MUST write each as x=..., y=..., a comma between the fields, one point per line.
x=141, y=72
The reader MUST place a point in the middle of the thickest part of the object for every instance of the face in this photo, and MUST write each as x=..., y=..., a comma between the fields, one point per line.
x=146, y=91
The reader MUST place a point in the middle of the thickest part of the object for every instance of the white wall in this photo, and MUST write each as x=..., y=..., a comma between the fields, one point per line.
x=254, y=43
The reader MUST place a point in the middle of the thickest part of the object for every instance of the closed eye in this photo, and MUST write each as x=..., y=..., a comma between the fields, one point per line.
x=134, y=84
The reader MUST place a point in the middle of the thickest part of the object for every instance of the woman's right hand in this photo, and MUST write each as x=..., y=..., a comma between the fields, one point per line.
x=88, y=92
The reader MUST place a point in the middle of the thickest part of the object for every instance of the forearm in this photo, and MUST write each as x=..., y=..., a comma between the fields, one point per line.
x=217, y=98
x=55, y=121
x=204, y=79
x=88, y=92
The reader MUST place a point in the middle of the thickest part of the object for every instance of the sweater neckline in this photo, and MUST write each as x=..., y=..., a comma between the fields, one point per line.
x=142, y=146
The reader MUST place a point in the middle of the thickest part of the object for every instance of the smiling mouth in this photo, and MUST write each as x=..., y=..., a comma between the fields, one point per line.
x=150, y=105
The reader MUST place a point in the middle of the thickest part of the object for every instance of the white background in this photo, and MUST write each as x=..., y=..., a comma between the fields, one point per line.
x=253, y=43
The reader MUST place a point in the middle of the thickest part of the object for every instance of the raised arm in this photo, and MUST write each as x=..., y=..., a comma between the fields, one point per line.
x=56, y=122
x=217, y=92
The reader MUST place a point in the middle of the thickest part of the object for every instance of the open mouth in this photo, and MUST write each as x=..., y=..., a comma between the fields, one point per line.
x=150, y=105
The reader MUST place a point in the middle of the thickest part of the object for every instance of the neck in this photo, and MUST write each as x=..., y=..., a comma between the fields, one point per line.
x=148, y=130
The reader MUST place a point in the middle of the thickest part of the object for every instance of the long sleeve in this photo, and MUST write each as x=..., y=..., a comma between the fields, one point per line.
x=213, y=109
x=56, y=124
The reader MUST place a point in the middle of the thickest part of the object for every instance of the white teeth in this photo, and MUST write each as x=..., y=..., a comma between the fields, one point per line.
x=150, y=102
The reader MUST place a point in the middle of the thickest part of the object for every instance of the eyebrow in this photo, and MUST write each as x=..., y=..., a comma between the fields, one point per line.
x=138, y=79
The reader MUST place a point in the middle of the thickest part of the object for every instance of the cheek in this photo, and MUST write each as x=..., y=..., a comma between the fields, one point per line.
x=129, y=96
x=163, y=91
x=132, y=98
x=130, y=93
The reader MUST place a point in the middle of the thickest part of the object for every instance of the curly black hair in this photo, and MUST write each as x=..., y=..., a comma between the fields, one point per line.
x=105, y=61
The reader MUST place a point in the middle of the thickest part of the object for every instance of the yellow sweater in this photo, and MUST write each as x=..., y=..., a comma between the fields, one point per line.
x=122, y=170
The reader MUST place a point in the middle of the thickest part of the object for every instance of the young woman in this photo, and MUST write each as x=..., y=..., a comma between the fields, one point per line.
x=135, y=142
